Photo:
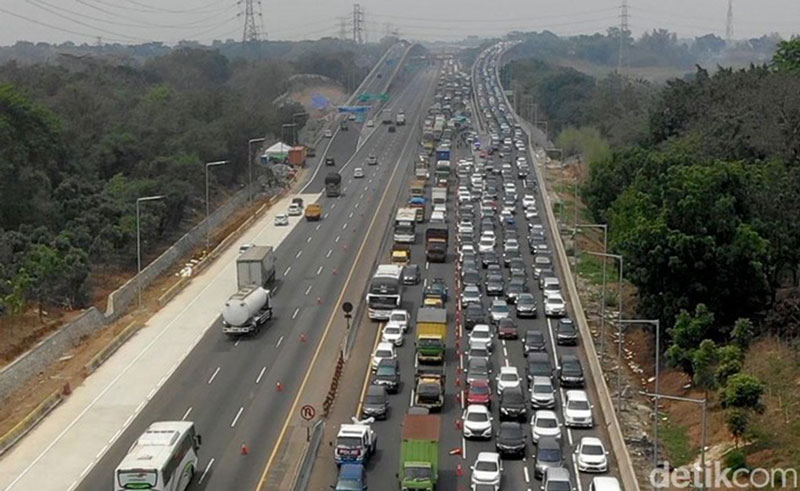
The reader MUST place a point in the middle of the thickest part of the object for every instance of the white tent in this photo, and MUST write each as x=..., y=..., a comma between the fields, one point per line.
x=278, y=151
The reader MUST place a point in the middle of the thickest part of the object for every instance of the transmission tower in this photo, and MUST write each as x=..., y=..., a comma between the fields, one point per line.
x=250, y=32
x=729, y=25
x=342, y=27
x=358, y=24
x=623, y=32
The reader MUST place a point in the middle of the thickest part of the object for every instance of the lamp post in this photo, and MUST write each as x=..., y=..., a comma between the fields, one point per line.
x=250, y=166
x=294, y=131
x=208, y=225
x=619, y=318
x=704, y=403
x=657, y=324
x=139, y=241
x=288, y=125
x=604, y=227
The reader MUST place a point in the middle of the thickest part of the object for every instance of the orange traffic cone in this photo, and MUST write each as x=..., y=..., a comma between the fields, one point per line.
x=245, y=450
x=278, y=386
x=459, y=471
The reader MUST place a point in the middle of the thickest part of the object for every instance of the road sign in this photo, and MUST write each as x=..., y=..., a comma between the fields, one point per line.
x=347, y=307
x=308, y=412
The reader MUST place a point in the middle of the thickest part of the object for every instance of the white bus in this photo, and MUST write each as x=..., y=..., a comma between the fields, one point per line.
x=405, y=225
x=163, y=458
x=385, y=291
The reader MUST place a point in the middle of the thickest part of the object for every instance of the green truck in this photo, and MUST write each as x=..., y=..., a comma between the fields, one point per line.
x=419, y=452
x=431, y=334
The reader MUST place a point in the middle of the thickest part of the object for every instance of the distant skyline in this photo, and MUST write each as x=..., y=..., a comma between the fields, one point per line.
x=169, y=21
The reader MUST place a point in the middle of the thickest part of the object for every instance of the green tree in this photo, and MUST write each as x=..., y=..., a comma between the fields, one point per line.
x=743, y=391
x=730, y=359
x=738, y=421
x=742, y=333
x=687, y=334
x=704, y=364
x=787, y=56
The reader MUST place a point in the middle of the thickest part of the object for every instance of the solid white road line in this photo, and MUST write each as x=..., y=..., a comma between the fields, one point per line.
x=337, y=238
x=308, y=239
x=308, y=289
x=344, y=226
x=186, y=414
x=213, y=376
x=527, y=476
x=577, y=476
x=330, y=251
x=235, y=419
x=287, y=271
x=261, y=374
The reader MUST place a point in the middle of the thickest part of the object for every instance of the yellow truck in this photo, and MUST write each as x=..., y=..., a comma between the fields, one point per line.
x=401, y=254
x=418, y=188
x=313, y=212
x=431, y=335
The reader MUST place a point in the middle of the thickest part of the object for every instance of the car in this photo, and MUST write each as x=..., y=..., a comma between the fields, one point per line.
x=372, y=159
x=557, y=479
x=487, y=469
x=411, y=274
x=474, y=314
x=437, y=287
x=494, y=286
x=605, y=484
x=543, y=394
x=532, y=214
x=554, y=306
x=510, y=439
x=479, y=352
x=511, y=245
x=392, y=129
x=382, y=351
x=400, y=317
x=570, y=371
x=533, y=341
x=358, y=173
x=481, y=336
x=566, y=332
x=507, y=378
x=507, y=329
x=486, y=244
x=577, y=410
x=538, y=364
x=330, y=161
x=471, y=277
x=477, y=422
x=548, y=455
x=528, y=201
x=376, y=403
x=392, y=333
x=479, y=392
x=515, y=288
x=328, y=134
x=545, y=424
x=295, y=210
x=470, y=294
x=499, y=309
x=388, y=375
x=540, y=263
x=281, y=219
x=525, y=305
x=512, y=404
x=591, y=455
x=370, y=123
x=466, y=227
x=478, y=369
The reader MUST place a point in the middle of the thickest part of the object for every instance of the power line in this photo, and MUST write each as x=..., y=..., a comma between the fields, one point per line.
x=79, y=22
x=492, y=21
x=250, y=32
x=154, y=8
x=191, y=25
x=44, y=24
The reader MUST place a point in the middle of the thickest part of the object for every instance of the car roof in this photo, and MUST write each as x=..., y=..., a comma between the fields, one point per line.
x=549, y=442
x=591, y=440
x=577, y=395
x=546, y=413
x=384, y=345
x=509, y=370
x=478, y=408
x=557, y=474
x=376, y=389
x=541, y=379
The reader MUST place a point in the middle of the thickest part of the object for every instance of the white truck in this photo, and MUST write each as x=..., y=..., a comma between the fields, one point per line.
x=400, y=118
x=246, y=311
x=385, y=292
x=405, y=226
x=355, y=443
x=439, y=196
x=255, y=266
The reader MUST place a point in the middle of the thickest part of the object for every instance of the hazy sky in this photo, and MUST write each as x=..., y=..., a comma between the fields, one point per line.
x=136, y=21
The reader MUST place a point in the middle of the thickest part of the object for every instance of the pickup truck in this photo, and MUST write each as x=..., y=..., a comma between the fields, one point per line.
x=429, y=391
x=355, y=443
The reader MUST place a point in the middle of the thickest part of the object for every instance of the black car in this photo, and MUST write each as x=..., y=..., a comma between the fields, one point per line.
x=538, y=365
x=474, y=314
x=511, y=256
x=522, y=172
x=388, y=375
x=376, y=402
x=488, y=258
x=571, y=372
x=566, y=332
x=533, y=341
x=526, y=305
x=411, y=274
x=471, y=277
x=515, y=288
x=511, y=439
x=494, y=286
x=517, y=266
x=513, y=404
x=329, y=161
x=392, y=129
x=536, y=242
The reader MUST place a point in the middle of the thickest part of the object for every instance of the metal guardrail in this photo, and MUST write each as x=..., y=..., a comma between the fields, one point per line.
x=310, y=454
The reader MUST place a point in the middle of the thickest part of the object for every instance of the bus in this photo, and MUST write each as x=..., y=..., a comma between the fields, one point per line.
x=405, y=226
x=163, y=458
x=333, y=185
x=385, y=291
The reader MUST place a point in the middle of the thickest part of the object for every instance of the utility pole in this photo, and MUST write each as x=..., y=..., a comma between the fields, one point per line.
x=624, y=28
x=250, y=32
x=729, y=25
x=358, y=26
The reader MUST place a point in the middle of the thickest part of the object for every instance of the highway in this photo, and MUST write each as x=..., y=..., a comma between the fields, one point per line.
x=227, y=387
x=517, y=474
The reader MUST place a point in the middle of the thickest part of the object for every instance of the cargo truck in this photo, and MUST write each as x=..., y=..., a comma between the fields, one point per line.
x=255, y=267
x=313, y=212
x=333, y=185
x=436, y=244
x=405, y=226
x=439, y=196
x=431, y=334
x=355, y=443
x=419, y=452
x=386, y=116
x=400, y=118
x=443, y=152
x=297, y=156
x=246, y=311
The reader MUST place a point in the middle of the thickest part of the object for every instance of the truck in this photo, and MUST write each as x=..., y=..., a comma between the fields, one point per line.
x=431, y=334
x=401, y=254
x=442, y=172
x=355, y=443
x=405, y=225
x=246, y=311
x=439, y=196
x=313, y=212
x=417, y=188
x=419, y=452
x=385, y=291
x=436, y=244
x=400, y=118
x=297, y=156
x=418, y=205
x=429, y=391
x=255, y=267
x=443, y=152
x=333, y=185
x=386, y=117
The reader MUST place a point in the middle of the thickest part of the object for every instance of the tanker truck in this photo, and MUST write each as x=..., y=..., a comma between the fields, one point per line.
x=246, y=311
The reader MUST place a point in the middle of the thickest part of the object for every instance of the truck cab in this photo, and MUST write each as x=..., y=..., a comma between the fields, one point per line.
x=355, y=443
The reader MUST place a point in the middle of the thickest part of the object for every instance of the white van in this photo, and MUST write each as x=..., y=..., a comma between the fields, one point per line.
x=438, y=217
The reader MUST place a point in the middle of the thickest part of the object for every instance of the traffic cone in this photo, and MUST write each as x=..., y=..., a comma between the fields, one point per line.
x=335, y=271
x=319, y=300
x=458, y=424
x=245, y=450
x=459, y=470
x=458, y=381
x=278, y=386
x=302, y=337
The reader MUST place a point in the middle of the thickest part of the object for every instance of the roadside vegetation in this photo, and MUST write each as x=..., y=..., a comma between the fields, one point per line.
x=699, y=183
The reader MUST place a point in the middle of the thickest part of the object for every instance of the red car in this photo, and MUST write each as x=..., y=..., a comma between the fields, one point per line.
x=507, y=329
x=479, y=392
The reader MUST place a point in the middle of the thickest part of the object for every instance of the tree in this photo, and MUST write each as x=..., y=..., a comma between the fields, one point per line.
x=730, y=359
x=687, y=334
x=743, y=391
x=787, y=56
x=704, y=364
x=738, y=421
x=742, y=333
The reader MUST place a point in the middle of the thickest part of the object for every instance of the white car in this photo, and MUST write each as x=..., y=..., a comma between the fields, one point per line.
x=295, y=210
x=591, y=455
x=400, y=317
x=487, y=469
x=466, y=227
x=543, y=395
x=508, y=378
x=466, y=249
x=382, y=352
x=577, y=410
x=499, y=310
x=328, y=134
x=605, y=484
x=470, y=294
x=545, y=423
x=358, y=172
x=511, y=245
x=554, y=306
x=372, y=160
x=486, y=244
x=477, y=422
x=528, y=201
x=281, y=219
x=370, y=124
x=464, y=197
x=531, y=213
x=438, y=217
x=481, y=336
x=393, y=334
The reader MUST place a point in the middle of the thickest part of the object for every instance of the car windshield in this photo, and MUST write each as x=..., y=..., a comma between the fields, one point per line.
x=392, y=330
x=511, y=431
x=546, y=423
x=477, y=416
x=508, y=377
x=513, y=396
x=559, y=486
x=397, y=318
x=417, y=474
x=374, y=399
x=385, y=370
x=479, y=389
x=485, y=466
x=500, y=308
x=570, y=366
x=578, y=405
x=593, y=450
x=549, y=454
x=542, y=389
x=383, y=353
x=348, y=441
x=481, y=334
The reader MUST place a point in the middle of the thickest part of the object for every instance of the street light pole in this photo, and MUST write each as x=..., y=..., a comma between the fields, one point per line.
x=704, y=404
x=295, y=115
x=208, y=224
x=619, y=258
x=288, y=125
x=250, y=166
x=604, y=227
x=139, y=241
x=657, y=324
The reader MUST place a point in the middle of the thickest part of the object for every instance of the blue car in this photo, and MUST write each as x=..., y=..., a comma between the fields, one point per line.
x=352, y=477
